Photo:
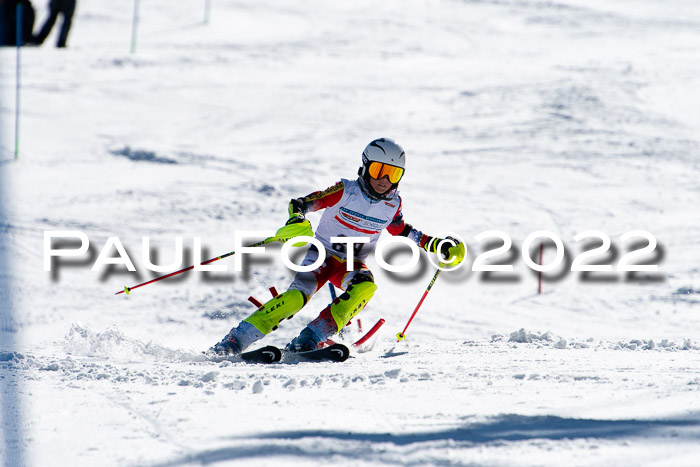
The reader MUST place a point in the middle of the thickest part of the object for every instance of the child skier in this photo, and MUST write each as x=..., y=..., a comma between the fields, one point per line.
x=353, y=208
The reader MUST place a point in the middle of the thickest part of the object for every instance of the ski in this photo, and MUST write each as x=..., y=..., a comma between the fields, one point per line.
x=333, y=353
x=267, y=354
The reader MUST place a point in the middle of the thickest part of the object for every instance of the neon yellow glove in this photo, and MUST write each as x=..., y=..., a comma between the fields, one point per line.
x=452, y=251
x=296, y=226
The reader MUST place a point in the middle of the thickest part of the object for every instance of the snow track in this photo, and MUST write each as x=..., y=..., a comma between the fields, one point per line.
x=483, y=402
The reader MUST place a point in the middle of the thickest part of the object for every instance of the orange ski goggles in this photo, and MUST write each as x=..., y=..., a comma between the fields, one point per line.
x=379, y=170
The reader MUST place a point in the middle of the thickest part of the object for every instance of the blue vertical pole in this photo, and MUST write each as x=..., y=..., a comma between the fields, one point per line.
x=18, y=75
x=207, y=11
x=135, y=26
x=11, y=382
x=11, y=409
x=330, y=286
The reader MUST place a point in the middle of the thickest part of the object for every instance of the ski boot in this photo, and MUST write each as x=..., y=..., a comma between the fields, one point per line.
x=315, y=333
x=306, y=340
x=227, y=346
x=237, y=340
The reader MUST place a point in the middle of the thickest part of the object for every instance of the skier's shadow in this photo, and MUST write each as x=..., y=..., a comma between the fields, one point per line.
x=345, y=444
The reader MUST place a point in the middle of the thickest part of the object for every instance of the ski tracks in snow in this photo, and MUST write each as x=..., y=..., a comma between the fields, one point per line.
x=410, y=403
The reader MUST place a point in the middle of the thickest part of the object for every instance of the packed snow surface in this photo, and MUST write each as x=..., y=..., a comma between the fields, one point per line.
x=516, y=116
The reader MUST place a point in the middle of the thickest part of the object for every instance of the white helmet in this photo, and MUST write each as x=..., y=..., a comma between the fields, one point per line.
x=382, y=157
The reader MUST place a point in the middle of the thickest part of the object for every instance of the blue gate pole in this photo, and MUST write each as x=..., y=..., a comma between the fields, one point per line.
x=18, y=75
x=135, y=26
x=207, y=11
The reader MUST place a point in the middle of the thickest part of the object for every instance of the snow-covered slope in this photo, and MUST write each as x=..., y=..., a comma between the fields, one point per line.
x=516, y=116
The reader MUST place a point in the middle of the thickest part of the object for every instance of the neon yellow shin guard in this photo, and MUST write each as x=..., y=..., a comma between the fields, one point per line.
x=268, y=317
x=352, y=301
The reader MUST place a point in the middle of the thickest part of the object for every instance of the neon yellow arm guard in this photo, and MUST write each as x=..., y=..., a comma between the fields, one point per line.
x=297, y=229
x=296, y=226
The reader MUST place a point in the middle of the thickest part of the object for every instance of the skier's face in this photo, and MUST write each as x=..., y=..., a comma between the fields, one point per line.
x=381, y=186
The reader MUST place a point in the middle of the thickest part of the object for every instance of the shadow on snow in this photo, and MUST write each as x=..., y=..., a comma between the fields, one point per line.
x=498, y=429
